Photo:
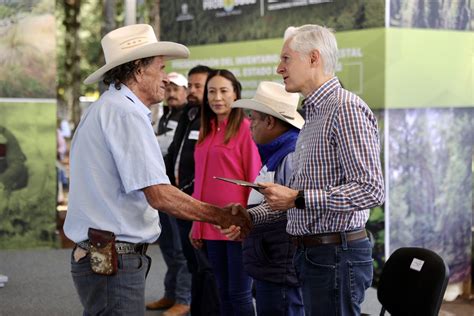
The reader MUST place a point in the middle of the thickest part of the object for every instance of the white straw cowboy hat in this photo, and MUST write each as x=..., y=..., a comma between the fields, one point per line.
x=134, y=42
x=271, y=98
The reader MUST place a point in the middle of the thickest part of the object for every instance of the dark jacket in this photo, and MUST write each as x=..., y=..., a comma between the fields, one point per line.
x=187, y=131
x=172, y=115
x=268, y=251
x=268, y=254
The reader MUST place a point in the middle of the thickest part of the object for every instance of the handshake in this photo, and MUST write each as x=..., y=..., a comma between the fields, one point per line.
x=236, y=219
x=233, y=221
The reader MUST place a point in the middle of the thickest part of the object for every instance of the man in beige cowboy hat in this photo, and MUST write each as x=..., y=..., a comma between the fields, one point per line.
x=275, y=125
x=118, y=178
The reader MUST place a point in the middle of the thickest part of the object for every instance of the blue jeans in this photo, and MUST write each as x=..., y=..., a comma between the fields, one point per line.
x=278, y=299
x=233, y=283
x=119, y=294
x=334, y=277
x=177, y=278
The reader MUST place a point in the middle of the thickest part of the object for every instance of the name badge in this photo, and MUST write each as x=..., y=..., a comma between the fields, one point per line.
x=193, y=135
x=172, y=125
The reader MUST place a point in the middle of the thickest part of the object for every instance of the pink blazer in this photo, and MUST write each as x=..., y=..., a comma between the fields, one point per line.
x=238, y=159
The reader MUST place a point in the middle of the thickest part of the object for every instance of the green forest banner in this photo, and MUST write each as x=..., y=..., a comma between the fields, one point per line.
x=213, y=21
x=360, y=66
x=27, y=174
x=27, y=124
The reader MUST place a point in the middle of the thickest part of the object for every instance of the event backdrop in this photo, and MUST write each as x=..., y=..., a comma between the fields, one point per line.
x=430, y=130
x=420, y=91
x=27, y=124
x=248, y=42
x=27, y=174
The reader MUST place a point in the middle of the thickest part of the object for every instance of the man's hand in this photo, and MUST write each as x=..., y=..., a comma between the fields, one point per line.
x=278, y=197
x=235, y=214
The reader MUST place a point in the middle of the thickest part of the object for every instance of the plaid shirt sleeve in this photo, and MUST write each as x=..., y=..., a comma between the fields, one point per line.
x=354, y=131
x=262, y=213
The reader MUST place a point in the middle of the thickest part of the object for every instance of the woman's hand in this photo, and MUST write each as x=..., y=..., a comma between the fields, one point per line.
x=232, y=233
x=196, y=243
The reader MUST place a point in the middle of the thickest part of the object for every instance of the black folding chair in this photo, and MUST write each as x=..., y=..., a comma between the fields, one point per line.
x=413, y=282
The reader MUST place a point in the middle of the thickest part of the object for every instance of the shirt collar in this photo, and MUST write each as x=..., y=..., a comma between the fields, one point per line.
x=315, y=98
x=126, y=92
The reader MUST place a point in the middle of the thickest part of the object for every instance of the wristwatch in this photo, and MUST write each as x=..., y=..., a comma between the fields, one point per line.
x=300, y=202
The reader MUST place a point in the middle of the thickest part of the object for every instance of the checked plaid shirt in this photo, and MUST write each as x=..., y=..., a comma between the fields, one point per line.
x=336, y=163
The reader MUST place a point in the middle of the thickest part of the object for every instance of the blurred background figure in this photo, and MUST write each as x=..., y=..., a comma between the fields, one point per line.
x=175, y=98
x=177, y=297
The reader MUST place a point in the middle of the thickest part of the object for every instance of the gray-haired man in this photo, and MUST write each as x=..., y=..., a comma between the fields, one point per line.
x=337, y=177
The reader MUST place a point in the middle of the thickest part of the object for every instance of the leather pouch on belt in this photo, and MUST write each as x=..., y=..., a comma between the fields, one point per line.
x=102, y=251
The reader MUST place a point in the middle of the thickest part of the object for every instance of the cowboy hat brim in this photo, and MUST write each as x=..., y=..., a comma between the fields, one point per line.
x=251, y=104
x=168, y=50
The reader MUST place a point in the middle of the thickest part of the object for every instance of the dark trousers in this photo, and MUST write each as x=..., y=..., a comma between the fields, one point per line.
x=233, y=282
x=177, y=278
x=204, y=293
x=278, y=299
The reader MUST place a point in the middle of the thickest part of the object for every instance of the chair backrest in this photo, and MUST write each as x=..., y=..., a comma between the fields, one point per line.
x=413, y=282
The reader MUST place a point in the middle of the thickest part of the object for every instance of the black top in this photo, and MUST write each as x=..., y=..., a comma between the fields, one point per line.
x=186, y=136
x=172, y=115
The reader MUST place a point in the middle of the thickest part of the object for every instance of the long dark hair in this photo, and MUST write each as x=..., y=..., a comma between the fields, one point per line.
x=236, y=115
x=123, y=73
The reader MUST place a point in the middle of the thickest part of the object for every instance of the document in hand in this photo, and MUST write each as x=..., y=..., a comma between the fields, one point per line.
x=241, y=182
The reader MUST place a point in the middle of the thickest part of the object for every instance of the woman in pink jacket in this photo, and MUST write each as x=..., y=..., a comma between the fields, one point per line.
x=225, y=148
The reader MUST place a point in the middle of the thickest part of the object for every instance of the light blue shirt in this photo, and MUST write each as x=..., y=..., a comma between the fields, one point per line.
x=114, y=154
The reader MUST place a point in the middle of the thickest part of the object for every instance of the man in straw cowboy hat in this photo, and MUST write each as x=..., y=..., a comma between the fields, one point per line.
x=337, y=178
x=118, y=178
x=268, y=251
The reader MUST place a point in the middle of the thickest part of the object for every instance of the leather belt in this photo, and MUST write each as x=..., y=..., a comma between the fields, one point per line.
x=309, y=241
x=121, y=247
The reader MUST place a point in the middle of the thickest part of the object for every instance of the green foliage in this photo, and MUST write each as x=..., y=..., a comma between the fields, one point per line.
x=206, y=28
x=44, y=7
x=6, y=11
x=27, y=215
x=27, y=68
x=24, y=85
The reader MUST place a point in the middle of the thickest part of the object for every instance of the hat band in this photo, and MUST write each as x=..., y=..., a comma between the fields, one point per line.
x=134, y=42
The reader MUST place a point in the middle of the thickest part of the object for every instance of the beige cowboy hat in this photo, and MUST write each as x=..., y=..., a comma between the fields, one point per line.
x=133, y=42
x=271, y=98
